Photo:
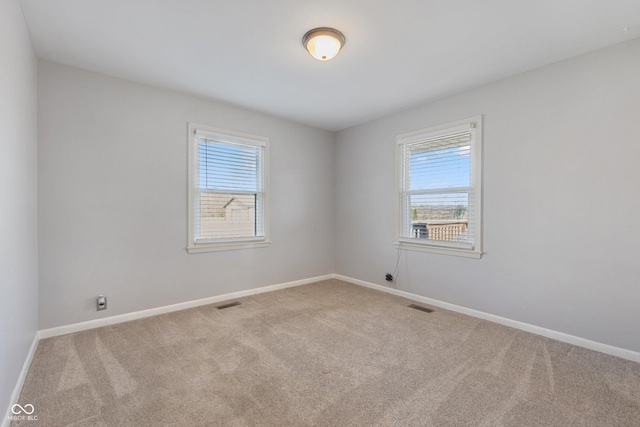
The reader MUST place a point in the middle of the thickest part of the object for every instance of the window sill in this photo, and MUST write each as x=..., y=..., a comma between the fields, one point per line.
x=226, y=246
x=421, y=247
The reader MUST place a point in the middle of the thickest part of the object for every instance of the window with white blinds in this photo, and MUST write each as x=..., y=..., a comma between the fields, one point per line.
x=227, y=183
x=439, y=189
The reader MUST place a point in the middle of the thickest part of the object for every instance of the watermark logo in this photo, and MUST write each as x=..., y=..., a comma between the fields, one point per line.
x=27, y=409
x=21, y=413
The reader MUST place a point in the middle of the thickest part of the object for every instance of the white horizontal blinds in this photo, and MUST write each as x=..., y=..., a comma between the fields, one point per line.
x=229, y=190
x=438, y=194
x=441, y=163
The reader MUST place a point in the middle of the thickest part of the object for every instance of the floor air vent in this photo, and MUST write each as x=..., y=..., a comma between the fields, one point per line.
x=418, y=307
x=231, y=304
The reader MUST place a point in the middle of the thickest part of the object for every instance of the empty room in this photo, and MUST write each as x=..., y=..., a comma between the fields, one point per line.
x=335, y=213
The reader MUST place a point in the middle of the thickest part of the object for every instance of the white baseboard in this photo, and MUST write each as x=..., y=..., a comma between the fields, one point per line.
x=91, y=324
x=23, y=374
x=549, y=333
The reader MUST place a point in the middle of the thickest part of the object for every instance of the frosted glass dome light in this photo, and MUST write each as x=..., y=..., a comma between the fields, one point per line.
x=323, y=43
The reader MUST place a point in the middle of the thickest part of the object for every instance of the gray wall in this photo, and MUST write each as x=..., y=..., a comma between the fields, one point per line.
x=18, y=191
x=561, y=202
x=112, y=164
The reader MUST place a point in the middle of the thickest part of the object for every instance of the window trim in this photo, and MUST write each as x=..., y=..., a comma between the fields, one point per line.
x=476, y=173
x=232, y=137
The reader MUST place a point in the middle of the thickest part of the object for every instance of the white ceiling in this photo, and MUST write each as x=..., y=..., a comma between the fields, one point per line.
x=398, y=53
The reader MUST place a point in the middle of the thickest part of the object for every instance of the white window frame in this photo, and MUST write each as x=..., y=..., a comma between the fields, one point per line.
x=402, y=215
x=234, y=137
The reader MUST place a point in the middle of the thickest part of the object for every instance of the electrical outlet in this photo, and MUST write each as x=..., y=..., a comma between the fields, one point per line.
x=101, y=303
x=388, y=277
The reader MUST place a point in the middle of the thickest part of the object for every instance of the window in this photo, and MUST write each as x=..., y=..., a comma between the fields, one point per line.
x=227, y=190
x=439, y=189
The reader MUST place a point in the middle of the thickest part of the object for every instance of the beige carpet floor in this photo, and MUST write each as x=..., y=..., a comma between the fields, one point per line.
x=324, y=354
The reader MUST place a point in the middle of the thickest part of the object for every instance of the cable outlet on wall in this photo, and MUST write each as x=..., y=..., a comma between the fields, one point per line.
x=101, y=303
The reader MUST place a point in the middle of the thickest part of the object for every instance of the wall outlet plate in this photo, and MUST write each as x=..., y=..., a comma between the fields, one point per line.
x=101, y=303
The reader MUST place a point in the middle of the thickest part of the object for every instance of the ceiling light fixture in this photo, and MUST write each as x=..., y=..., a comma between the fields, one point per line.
x=323, y=43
